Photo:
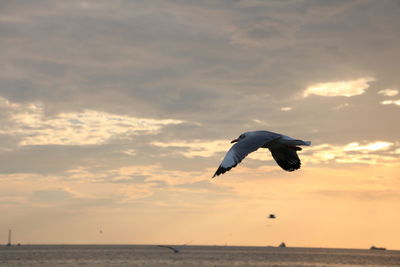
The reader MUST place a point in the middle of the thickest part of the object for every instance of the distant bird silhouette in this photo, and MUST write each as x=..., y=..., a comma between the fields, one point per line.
x=272, y=216
x=175, y=250
x=283, y=149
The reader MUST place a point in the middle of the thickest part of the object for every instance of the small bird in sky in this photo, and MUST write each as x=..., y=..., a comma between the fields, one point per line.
x=283, y=149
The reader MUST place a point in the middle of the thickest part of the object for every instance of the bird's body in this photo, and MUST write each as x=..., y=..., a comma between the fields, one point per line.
x=283, y=149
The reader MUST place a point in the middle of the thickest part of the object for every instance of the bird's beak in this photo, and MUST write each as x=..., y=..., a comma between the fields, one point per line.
x=234, y=141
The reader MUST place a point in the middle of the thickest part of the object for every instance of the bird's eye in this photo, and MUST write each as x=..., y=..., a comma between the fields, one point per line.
x=242, y=136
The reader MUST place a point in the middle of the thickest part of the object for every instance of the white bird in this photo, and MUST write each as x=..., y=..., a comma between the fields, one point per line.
x=283, y=149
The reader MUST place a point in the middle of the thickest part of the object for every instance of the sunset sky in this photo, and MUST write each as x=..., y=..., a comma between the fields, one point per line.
x=116, y=114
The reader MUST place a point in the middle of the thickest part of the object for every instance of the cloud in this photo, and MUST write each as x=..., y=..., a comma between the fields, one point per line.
x=389, y=92
x=146, y=177
x=88, y=127
x=286, y=108
x=196, y=148
x=130, y=152
x=51, y=195
x=339, y=88
x=341, y=106
x=367, y=153
x=375, y=146
x=391, y=102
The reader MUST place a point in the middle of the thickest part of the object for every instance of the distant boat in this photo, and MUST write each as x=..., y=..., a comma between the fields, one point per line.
x=282, y=245
x=271, y=216
x=376, y=248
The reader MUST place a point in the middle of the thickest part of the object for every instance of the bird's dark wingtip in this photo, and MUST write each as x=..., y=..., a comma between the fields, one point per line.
x=222, y=170
x=289, y=165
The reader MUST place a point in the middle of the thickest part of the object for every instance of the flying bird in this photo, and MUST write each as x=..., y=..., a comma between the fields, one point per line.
x=283, y=149
x=175, y=250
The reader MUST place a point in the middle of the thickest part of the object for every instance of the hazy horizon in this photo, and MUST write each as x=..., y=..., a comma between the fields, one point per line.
x=182, y=246
x=116, y=114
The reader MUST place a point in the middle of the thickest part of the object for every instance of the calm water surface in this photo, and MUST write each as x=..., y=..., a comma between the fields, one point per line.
x=134, y=255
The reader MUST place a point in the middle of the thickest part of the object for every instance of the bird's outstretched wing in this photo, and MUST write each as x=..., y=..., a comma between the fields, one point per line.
x=286, y=157
x=242, y=148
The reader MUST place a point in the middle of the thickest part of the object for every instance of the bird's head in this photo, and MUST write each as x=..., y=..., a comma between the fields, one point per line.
x=242, y=136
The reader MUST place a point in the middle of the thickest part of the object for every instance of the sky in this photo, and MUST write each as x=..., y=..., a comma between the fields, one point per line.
x=115, y=115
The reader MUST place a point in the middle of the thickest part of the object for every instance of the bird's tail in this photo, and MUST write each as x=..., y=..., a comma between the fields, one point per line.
x=306, y=143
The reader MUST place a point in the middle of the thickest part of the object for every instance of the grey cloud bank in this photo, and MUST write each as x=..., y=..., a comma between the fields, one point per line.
x=217, y=67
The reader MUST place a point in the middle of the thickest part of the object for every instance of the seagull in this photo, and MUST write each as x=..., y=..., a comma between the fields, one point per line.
x=171, y=248
x=175, y=249
x=283, y=149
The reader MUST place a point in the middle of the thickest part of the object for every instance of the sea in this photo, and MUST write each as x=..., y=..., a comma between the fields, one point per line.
x=152, y=255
